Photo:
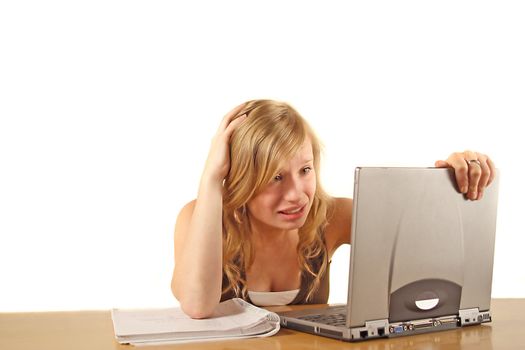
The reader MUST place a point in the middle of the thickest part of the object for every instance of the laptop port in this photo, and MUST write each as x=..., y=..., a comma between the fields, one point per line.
x=396, y=329
x=381, y=331
x=330, y=332
x=363, y=334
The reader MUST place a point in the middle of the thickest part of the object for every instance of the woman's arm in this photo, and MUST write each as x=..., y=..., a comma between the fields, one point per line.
x=339, y=226
x=197, y=276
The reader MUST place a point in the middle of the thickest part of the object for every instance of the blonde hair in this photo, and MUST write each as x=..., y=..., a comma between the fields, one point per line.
x=271, y=134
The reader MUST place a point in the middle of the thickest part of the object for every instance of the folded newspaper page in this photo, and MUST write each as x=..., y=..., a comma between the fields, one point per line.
x=234, y=318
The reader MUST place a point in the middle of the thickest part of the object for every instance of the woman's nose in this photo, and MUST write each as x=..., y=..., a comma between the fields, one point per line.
x=292, y=190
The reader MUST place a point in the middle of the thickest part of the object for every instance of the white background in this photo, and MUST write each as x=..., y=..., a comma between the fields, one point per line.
x=107, y=110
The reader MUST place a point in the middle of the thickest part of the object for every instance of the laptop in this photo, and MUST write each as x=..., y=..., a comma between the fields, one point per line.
x=421, y=259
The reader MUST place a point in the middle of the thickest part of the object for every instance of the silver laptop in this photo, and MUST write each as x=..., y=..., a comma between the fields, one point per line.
x=421, y=259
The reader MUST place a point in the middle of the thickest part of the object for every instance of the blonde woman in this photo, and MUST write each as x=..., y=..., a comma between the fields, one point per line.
x=262, y=228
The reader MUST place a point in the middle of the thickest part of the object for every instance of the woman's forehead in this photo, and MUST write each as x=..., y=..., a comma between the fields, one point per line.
x=303, y=155
x=305, y=151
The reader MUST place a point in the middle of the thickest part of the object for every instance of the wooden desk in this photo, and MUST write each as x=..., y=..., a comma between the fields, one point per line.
x=93, y=330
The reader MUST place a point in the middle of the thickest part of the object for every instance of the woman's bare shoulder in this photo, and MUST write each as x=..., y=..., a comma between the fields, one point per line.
x=186, y=212
x=188, y=207
x=339, y=223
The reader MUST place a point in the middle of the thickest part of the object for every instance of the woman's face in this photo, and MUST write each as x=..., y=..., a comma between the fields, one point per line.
x=285, y=202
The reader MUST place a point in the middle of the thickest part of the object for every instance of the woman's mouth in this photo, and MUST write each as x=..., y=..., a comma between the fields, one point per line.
x=292, y=213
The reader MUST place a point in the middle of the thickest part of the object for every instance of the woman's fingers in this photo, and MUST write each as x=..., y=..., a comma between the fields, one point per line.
x=485, y=174
x=461, y=169
x=233, y=125
x=474, y=175
x=230, y=116
x=441, y=164
x=492, y=167
x=218, y=162
x=474, y=172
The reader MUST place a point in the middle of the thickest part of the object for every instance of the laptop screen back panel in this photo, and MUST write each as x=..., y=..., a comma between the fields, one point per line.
x=420, y=249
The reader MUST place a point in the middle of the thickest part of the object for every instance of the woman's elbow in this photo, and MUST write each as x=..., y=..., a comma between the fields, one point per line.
x=193, y=306
x=197, y=310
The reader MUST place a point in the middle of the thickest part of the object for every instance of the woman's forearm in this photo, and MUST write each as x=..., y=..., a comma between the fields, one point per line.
x=198, y=272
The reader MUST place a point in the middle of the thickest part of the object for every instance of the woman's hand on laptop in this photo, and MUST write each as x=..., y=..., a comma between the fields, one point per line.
x=474, y=172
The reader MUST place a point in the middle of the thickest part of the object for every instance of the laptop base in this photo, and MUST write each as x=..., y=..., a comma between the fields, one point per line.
x=383, y=328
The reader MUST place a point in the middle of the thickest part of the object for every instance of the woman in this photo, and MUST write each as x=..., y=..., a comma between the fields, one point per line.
x=262, y=228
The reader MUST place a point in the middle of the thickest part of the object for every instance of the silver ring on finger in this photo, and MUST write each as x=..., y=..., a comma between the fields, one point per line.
x=475, y=161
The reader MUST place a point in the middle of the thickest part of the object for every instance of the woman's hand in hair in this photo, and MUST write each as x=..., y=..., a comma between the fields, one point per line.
x=218, y=162
x=474, y=172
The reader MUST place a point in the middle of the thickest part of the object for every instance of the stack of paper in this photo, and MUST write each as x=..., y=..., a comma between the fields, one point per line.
x=232, y=319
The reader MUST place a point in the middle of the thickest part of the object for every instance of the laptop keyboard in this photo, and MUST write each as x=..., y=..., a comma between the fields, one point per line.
x=332, y=319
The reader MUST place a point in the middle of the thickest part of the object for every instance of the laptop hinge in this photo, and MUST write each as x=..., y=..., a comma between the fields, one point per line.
x=474, y=316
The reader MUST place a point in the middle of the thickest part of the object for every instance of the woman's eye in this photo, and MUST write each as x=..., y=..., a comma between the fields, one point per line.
x=307, y=169
x=278, y=177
